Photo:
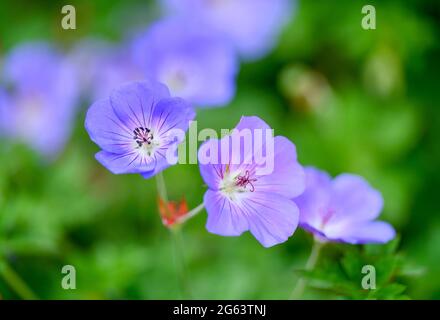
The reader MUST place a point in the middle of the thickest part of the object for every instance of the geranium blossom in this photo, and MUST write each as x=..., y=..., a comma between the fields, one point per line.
x=38, y=102
x=342, y=209
x=195, y=63
x=241, y=197
x=137, y=126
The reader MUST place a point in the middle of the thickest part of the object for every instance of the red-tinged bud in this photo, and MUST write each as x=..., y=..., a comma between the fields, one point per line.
x=172, y=211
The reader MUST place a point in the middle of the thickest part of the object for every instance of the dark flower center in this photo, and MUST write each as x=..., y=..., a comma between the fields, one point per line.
x=245, y=180
x=142, y=135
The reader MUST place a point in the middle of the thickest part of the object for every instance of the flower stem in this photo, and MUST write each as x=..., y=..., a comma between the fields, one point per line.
x=310, y=264
x=191, y=213
x=16, y=282
x=176, y=235
x=179, y=259
x=161, y=187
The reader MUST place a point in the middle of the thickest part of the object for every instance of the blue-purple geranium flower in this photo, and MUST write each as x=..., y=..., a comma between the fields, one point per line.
x=242, y=194
x=342, y=209
x=195, y=63
x=138, y=127
x=38, y=106
x=252, y=26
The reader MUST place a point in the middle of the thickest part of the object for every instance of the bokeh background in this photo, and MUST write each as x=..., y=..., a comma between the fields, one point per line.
x=352, y=100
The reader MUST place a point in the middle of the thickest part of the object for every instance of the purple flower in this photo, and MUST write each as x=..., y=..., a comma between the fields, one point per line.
x=38, y=107
x=195, y=63
x=343, y=209
x=251, y=25
x=138, y=127
x=104, y=67
x=242, y=194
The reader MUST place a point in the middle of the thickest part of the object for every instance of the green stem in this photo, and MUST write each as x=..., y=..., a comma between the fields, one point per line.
x=176, y=235
x=310, y=264
x=191, y=214
x=16, y=282
x=161, y=187
x=179, y=259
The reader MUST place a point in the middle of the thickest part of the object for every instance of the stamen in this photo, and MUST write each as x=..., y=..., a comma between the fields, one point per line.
x=243, y=181
x=142, y=135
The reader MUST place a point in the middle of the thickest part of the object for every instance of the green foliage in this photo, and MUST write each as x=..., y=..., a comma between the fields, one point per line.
x=340, y=275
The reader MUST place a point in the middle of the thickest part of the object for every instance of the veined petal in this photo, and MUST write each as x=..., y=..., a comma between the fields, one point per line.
x=272, y=218
x=134, y=103
x=161, y=162
x=287, y=177
x=209, y=158
x=132, y=162
x=225, y=218
x=172, y=113
x=106, y=130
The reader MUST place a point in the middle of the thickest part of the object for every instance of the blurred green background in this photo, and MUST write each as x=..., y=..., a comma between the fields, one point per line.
x=352, y=100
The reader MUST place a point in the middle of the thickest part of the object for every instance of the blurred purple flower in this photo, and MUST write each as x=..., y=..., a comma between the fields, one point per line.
x=253, y=26
x=343, y=209
x=136, y=128
x=240, y=198
x=103, y=67
x=195, y=63
x=38, y=106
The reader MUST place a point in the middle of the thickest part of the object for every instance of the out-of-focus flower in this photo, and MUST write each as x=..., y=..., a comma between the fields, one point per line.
x=240, y=197
x=38, y=105
x=137, y=126
x=171, y=212
x=252, y=26
x=343, y=209
x=103, y=66
x=195, y=63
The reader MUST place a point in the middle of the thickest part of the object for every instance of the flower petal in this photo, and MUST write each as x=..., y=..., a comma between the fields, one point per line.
x=251, y=134
x=252, y=123
x=172, y=113
x=354, y=199
x=272, y=218
x=131, y=162
x=224, y=217
x=6, y=114
x=106, y=130
x=134, y=103
x=315, y=198
x=211, y=168
x=370, y=232
x=161, y=162
x=287, y=178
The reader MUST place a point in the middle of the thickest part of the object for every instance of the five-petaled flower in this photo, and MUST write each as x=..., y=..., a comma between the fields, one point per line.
x=138, y=128
x=38, y=104
x=197, y=64
x=241, y=197
x=342, y=209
